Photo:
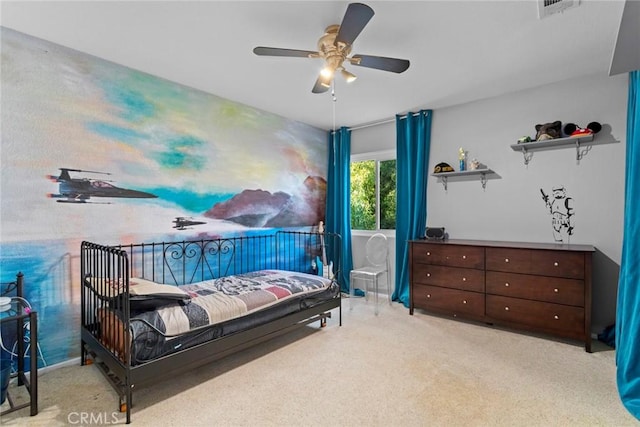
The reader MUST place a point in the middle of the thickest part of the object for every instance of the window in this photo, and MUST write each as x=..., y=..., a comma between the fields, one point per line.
x=373, y=192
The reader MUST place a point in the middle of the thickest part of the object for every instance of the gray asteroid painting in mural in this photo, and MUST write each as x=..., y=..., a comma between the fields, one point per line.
x=259, y=208
x=561, y=210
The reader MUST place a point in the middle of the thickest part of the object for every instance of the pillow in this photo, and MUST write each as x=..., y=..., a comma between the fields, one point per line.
x=142, y=287
x=143, y=294
x=147, y=295
x=104, y=287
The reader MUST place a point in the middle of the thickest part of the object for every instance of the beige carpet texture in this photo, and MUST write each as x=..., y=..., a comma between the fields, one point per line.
x=392, y=369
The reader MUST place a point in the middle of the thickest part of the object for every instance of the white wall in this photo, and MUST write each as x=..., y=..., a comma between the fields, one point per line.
x=511, y=207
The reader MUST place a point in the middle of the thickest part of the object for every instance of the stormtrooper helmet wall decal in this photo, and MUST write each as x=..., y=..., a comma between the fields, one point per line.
x=560, y=208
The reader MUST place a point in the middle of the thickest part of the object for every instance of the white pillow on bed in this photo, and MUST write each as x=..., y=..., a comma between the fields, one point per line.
x=143, y=294
x=137, y=286
x=143, y=287
x=146, y=295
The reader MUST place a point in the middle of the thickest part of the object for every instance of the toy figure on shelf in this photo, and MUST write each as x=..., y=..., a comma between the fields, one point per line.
x=548, y=131
x=462, y=156
x=573, y=130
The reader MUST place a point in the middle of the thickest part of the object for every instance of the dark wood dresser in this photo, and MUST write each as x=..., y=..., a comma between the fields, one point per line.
x=537, y=287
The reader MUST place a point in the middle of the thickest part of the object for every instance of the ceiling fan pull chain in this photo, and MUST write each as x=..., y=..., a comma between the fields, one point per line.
x=334, y=99
x=333, y=105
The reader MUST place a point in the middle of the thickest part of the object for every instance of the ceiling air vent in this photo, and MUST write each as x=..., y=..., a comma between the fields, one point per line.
x=549, y=7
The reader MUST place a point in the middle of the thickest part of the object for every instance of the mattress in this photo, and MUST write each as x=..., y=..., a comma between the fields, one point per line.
x=212, y=309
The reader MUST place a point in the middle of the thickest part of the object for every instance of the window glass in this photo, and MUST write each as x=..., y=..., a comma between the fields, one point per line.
x=373, y=195
x=363, y=195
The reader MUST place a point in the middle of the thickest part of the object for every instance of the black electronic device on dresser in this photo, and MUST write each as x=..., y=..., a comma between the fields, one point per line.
x=537, y=287
x=435, y=233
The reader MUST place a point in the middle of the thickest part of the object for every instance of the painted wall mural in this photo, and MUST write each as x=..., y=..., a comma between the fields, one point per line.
x=92, y=150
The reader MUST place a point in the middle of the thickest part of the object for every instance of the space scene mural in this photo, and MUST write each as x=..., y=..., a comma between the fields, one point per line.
x=92, y=150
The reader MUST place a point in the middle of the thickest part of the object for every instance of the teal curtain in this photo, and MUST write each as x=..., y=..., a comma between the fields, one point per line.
x=413, y=139
x=628, y=311
x=338, y=210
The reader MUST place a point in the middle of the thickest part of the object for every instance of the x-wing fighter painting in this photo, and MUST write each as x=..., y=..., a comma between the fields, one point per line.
x=183, y=223
x=80, y=190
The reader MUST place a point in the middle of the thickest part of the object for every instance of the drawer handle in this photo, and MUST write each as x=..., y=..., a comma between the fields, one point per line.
x=464, y=257
x=428, y=295
x=464, y=301
x=428, y=253
x=555, y=264
x=428, y=274
x=506, y=309
x=464, y=279
x=506, y=260
x=506, y=284
x=556, y=317
x=555, y=290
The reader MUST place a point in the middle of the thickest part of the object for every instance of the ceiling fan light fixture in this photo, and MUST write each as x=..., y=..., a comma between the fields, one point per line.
x=326, y=72
x=335, y=45
x=325, y=80
x=349, y=77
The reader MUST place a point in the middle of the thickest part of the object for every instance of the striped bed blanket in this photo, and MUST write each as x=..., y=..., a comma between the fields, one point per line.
x=219, y=300
x=184, y=316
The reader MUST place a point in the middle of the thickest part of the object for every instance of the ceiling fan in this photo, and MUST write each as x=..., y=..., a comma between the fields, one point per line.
x=335, y=47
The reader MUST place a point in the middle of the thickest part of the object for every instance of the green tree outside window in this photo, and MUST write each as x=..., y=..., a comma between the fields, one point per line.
x=369, y=177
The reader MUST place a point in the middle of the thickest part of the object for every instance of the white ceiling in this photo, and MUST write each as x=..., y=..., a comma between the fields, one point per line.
x=459, y=50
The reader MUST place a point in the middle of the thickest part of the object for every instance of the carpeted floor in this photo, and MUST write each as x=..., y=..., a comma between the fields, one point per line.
x=387, y=370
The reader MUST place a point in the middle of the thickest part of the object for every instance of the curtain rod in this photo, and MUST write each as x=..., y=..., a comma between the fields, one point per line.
x=381, y=122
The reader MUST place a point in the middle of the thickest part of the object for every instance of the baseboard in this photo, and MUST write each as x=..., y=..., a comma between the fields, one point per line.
x=45, y=369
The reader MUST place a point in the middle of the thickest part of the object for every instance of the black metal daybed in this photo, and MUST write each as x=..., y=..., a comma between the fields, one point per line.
x=150, y=311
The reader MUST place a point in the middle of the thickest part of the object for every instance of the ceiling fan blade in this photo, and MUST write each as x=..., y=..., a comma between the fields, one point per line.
x=380, y=63
x=319, y=87
x=276, y=51
x=355, y=19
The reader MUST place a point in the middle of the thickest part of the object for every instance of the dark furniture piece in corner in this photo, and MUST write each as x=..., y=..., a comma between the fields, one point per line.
x=536, y=287
x=17, y=314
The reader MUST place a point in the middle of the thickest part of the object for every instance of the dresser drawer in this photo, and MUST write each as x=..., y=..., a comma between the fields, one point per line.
x=451, y=277
x=541, y=262
x=450, y=300
x=541, y=288
x=449, y=255
x=561, y=318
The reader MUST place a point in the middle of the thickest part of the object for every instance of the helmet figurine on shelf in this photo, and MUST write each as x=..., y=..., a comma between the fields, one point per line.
x=442, y=167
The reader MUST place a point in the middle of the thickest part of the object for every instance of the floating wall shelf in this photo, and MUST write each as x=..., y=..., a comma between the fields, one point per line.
x=582, y=144
x=482, y=173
